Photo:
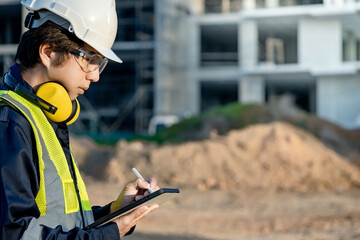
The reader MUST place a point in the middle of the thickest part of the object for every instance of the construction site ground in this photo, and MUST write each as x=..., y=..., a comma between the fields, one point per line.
x=267, y=181
x=234, y=215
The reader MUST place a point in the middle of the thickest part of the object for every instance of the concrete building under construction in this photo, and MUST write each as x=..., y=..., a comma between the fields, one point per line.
x=184, y=56
x=210, y=52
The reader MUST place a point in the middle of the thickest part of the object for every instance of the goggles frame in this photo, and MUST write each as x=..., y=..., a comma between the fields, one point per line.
x=93, y=61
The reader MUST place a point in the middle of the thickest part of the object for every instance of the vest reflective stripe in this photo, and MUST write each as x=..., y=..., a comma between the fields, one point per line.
x=55, y=209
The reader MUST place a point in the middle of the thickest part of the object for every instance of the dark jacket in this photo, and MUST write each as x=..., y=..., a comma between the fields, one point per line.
x=19, y=177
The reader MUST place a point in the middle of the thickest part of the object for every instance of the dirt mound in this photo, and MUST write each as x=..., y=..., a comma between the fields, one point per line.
x=92, y=158
x=272, y=157
x=234, y=116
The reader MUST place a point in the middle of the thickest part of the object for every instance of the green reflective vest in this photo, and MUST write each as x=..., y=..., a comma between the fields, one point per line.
x=56, y=199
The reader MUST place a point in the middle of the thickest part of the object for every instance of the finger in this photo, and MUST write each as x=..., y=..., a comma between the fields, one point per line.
x=149, y=209
x=142, y=212
x=141, y=183
x=126, y=222
x=152, y=182
x=129, y=220
x=154, y=190
x=147, y=193
x=153, y=185
x=153, y=208
x=132, y=185
x=138, y=197
x=133, y=217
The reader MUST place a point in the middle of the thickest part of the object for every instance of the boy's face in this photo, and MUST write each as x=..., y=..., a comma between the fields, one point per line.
x=72, y=75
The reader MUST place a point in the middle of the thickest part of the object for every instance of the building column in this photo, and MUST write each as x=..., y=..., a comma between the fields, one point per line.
x=193, y=101
x=338, y=99
x=176, y=59
x=248, y=44
x=249, y=4
x=271, y=3
x=252, y=90
x=319, y=36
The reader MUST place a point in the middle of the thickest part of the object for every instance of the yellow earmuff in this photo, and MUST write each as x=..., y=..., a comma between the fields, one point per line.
x=51, y=97
x=56, y=95
x=76, y=111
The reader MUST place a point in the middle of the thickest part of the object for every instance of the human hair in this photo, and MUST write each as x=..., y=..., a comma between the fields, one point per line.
x=60, y=40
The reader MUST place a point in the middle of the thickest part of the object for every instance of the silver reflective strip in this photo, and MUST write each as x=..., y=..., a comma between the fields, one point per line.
x=67, y=221
x=89, y=217
x=33, y=231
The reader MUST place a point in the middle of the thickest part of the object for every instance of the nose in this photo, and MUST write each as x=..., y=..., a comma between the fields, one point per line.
x=93, y=76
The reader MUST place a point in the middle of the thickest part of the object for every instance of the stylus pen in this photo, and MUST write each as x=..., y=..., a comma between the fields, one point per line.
x=139, y=176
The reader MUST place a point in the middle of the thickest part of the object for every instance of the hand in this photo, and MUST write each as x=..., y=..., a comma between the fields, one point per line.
x=133, y=191
x=126, y=222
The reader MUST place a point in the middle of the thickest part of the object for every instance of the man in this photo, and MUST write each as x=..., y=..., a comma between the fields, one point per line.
x=42, y=193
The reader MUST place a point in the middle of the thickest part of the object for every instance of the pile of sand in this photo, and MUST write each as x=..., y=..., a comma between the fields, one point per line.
x=271, y=157
x=92, y=159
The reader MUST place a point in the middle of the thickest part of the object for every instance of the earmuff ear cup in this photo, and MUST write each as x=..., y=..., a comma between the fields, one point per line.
x=75, y=112
x=55, y=94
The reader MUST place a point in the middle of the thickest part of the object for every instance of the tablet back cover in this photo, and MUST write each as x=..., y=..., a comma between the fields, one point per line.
x=160, y=196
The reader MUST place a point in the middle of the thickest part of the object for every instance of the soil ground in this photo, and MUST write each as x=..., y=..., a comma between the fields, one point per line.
x=234, y=215
x=267, y=181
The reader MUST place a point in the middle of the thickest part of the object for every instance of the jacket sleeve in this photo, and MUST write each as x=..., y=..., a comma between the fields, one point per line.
x=19, y=184
x=100, y=212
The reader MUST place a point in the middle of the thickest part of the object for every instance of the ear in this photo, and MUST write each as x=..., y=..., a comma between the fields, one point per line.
x=45, y=54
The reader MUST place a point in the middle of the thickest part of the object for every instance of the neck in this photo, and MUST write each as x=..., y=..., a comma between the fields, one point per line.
x=34, y=76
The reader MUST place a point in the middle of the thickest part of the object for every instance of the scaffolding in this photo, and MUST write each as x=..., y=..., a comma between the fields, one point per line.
x=125, y=102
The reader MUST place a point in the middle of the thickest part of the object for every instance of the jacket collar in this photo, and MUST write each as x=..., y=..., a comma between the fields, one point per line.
x=15, y=72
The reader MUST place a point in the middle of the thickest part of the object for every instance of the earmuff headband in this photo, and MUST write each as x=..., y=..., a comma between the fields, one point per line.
x=67, y=111
x=30, y=95
x=18, y=88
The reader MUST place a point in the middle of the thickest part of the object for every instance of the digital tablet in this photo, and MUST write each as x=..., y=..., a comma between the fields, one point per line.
x=160, y=196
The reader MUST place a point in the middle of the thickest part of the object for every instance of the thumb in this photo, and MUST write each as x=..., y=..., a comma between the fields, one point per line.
x=141, y=212
x=138, y=214
x=126, y=222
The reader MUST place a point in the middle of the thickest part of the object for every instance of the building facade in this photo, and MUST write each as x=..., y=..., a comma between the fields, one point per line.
x=211, y=52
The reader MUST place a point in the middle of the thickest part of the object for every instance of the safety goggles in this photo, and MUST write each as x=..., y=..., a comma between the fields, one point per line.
x=90, y=62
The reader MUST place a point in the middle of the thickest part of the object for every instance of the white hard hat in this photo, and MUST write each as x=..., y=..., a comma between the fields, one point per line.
x=92, y=21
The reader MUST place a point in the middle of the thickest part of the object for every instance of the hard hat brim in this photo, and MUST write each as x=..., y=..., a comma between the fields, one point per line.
x=109, y=54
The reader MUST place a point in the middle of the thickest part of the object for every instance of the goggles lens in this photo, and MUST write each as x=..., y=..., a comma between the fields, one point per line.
x=90, y=62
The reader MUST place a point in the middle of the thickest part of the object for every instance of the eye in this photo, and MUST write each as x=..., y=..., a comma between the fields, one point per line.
x=96, y=59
